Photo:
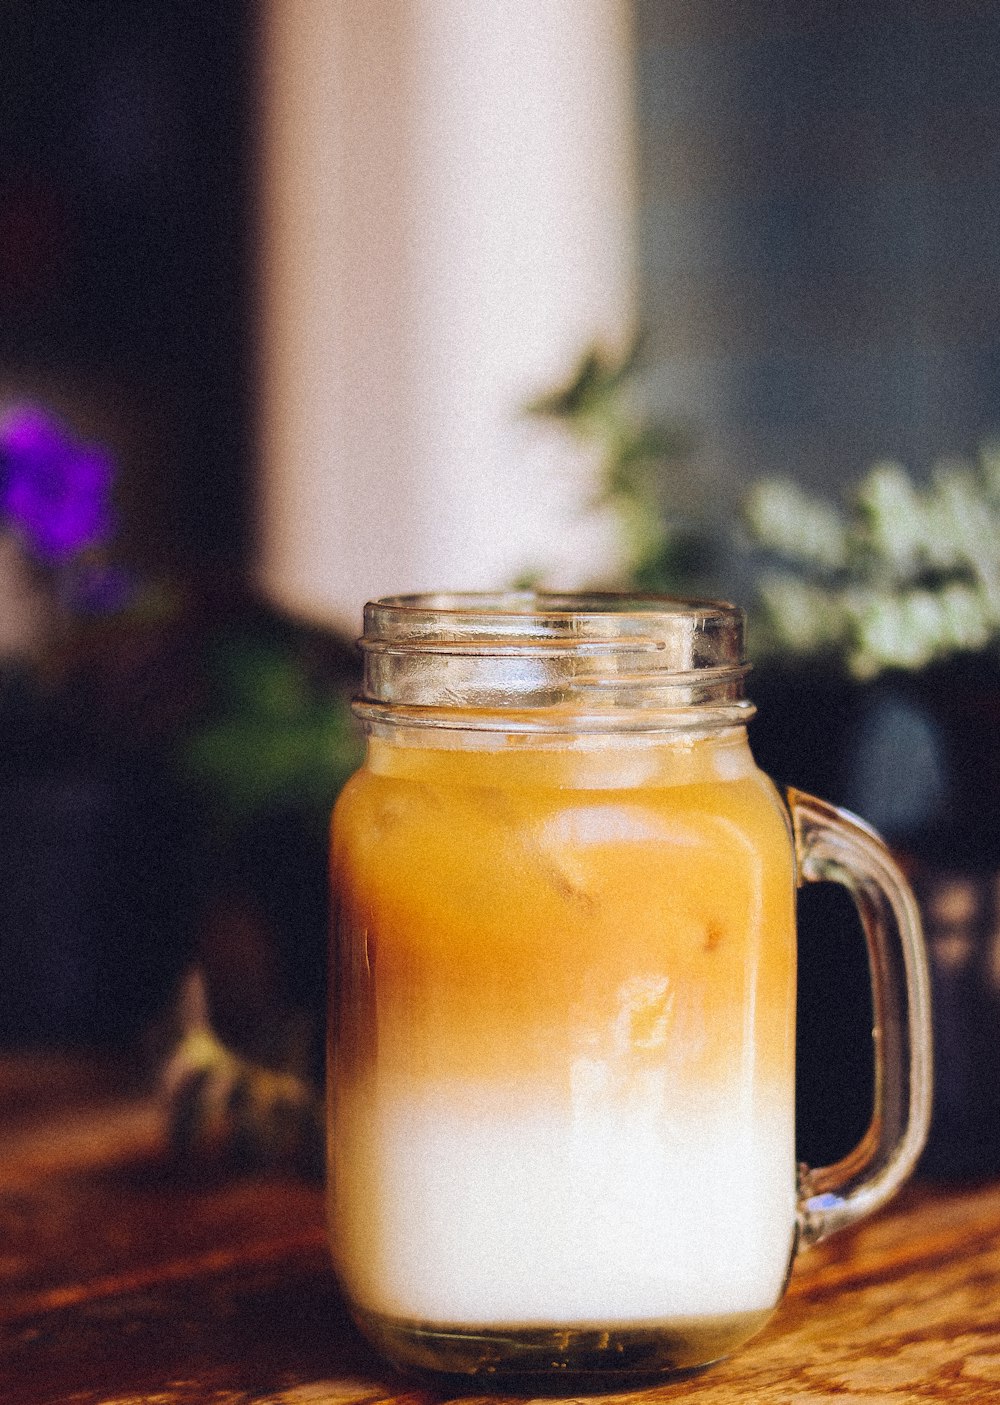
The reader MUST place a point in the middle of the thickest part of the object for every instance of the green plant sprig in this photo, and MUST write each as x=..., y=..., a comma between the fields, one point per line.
x=902, y=577
x=635, y=453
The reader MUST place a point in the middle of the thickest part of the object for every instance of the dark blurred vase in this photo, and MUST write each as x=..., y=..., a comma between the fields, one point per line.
x=918, y=756
x=95, y=887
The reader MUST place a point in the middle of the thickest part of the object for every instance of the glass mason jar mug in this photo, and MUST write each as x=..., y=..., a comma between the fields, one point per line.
x=563, y=1004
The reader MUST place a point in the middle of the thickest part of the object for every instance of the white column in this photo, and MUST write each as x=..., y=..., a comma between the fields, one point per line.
x=447, y=208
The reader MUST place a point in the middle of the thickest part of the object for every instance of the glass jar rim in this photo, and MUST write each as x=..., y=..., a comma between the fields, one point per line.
x=600, y=611
x=544, y=660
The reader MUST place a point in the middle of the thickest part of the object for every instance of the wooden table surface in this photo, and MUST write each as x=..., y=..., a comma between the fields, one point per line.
x=122, y=1281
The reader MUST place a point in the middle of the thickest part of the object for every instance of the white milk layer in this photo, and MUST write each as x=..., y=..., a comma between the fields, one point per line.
x=452, y=1210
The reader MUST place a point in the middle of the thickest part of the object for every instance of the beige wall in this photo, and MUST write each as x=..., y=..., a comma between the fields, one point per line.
x=447, y=223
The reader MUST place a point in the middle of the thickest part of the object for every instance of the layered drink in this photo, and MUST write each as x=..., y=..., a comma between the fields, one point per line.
x=562, y=1075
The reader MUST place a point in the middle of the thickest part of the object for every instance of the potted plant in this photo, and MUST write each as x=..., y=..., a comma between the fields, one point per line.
x=879, y=624
x=92, y=833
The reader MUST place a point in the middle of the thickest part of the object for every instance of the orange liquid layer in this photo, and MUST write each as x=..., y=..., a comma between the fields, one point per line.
x=516, y=913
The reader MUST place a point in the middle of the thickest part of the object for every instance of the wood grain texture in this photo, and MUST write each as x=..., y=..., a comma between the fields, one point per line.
x=123, y=1282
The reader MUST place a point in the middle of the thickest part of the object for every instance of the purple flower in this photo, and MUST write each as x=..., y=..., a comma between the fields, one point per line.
x=54, y=491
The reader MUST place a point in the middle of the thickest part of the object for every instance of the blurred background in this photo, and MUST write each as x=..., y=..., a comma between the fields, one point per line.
x=388, y=295
x=126, y=254
x=795, y=201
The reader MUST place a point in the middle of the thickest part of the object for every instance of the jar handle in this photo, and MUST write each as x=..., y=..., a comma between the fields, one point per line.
x=832, y=845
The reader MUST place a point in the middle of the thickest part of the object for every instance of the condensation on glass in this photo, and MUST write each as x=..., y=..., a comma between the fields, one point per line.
x=563, y=1006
